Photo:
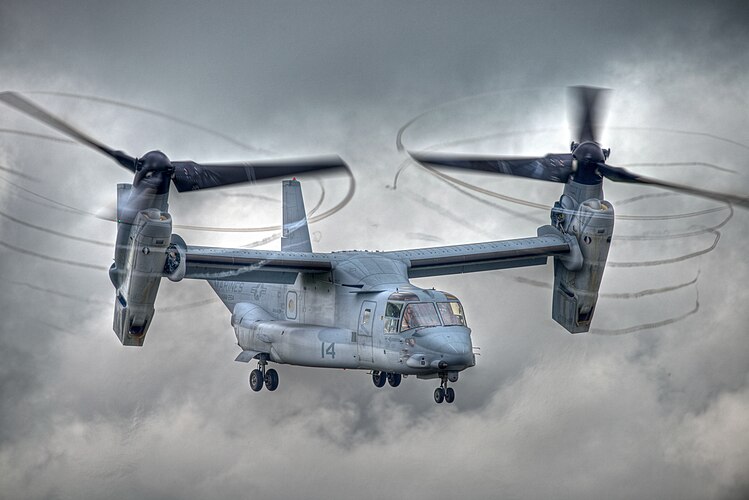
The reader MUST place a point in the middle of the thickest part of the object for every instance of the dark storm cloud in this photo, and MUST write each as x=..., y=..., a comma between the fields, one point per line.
x=662, y=413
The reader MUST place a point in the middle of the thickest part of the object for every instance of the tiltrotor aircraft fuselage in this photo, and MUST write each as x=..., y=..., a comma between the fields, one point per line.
x=353, y=310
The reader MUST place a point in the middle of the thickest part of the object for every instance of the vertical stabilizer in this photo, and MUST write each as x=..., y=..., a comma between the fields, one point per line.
x=295, y=232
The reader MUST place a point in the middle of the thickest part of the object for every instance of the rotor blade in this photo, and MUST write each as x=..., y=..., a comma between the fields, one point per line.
x=191, y=176
x=552, y=167
x=618, y=174
x=25, y=106
x=586, y=112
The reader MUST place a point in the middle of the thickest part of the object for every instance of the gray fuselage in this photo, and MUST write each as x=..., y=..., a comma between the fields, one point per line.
x=355, y=317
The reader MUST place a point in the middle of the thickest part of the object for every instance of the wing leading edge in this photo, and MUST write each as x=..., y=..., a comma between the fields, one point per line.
x=458, y=259
x=257, y=266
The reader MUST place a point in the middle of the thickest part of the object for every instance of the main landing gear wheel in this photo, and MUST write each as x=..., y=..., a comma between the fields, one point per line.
x=439, y=395
x=394, y=379
x=260, y=376
x=379, y=378
x=256, y=380
x=271, y=380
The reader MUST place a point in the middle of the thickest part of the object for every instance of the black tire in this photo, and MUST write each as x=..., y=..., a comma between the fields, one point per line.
x=271, y=379
x=449, y=395
x=256, y=380
x=394, y=379
x=439, y=395
x=378, y=378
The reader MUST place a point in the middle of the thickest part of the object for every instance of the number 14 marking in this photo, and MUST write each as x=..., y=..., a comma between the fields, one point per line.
x=328, y=351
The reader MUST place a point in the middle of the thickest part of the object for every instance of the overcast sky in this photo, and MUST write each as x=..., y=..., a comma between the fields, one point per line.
x=661, y=412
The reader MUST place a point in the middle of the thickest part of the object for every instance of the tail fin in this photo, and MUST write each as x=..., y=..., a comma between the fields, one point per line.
x=295, y=231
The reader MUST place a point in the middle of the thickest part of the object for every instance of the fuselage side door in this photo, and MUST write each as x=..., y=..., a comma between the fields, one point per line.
x=364, y=333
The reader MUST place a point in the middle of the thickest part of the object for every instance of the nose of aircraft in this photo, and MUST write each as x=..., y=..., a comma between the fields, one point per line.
x=449, y=340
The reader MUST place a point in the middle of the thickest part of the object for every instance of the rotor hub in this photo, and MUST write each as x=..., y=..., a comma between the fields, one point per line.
x=154, y=161
x=589, y=152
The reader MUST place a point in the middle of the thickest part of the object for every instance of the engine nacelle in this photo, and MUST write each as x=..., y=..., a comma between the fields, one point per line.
x=577, y=278
x=144, y=267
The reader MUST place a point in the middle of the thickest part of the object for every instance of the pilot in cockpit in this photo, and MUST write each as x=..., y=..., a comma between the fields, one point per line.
x=408, y=319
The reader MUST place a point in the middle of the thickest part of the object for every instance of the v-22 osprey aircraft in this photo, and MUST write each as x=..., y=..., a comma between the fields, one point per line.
x=356, y=309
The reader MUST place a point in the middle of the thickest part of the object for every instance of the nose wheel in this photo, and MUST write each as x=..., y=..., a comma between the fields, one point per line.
x=443, y=392
x=439, y=395
x=262, y=376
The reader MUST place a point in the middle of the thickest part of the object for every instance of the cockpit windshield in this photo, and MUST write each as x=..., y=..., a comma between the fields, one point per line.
x=404, y=311
x=451, y=313
x=421, y=314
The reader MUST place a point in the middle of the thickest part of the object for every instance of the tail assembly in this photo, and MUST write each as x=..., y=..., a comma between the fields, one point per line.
x=295, y=231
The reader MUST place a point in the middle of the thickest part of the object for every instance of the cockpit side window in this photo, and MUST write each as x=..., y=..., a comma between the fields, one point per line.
x=451, y=313
x=419, y=315
x=392, y=317
x=393, y=310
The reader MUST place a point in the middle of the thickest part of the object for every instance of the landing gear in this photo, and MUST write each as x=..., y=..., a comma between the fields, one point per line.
x=439, y=395
x=271, y=379
x=260, y=376
x=256, y=380
x=443, y=392
x=449, y=395
x=379, y=378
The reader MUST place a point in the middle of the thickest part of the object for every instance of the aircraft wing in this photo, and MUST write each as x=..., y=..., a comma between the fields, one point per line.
x=258, y=266
x=486, y=256
x=268, y=266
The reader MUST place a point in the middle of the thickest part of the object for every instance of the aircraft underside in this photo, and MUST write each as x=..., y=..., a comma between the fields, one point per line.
x=435, y=352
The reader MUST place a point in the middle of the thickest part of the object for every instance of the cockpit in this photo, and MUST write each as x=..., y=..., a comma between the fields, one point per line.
x=406, y=310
